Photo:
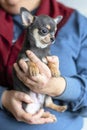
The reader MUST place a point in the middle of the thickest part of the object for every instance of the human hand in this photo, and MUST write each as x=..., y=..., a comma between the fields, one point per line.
x=42, y=83
x=12, y=101
x=23, y=75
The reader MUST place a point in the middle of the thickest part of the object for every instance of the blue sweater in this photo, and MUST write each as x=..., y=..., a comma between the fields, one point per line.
x=71, y=48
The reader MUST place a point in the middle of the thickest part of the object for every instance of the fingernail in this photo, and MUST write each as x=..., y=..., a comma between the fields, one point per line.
x=28, y=51
x=50, y=121
x=49, y=58
x=14, y=64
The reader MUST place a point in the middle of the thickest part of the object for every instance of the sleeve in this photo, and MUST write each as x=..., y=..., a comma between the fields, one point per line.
x=74, y=54
x=2, y=89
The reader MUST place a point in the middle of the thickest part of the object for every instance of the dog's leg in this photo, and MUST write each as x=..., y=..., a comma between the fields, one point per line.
x=33, y=69
x=54, y=70
x=49, y=103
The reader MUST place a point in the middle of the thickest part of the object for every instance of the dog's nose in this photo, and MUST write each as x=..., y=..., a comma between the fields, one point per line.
x=52, y=39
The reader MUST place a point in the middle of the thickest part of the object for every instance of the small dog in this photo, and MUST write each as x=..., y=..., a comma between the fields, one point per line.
x=40, y=35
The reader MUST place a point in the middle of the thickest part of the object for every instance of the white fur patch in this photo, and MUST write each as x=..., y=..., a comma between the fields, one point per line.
x=44, y=60
x=26, y=59
x=34, y=107
x=38, y=39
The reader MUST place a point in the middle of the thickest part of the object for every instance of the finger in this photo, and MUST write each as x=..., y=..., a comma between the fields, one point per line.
x=23, y=65
x=31, y=119
x=37, y=78
x=28, y=118
x=17, y=69
x=42, y=67
x=23, y=97
x=33, y=57
x=23, y=116
x=40, y=80
x=28, y=82
x=38, y=121
x=19, y=73
x=23, y=77
x=53, y=59
x=38, y=118
x=38, y=114
x=42, y=121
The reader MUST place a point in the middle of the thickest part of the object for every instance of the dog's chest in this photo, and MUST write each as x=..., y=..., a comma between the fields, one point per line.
x=41, y=53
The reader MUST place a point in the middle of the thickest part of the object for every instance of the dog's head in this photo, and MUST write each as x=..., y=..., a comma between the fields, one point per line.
x=42, y=27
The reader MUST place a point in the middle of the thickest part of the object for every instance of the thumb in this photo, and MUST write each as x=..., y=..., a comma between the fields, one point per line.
x=53, y=59
x=23, y=97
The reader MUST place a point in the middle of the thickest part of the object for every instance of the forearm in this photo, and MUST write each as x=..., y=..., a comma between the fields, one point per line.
x=57, y=86
x=72, y=90
x=75, y=94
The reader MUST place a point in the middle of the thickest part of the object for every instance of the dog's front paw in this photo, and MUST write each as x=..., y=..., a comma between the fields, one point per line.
x=62, y=108
x=54, y=70
x=33, y=69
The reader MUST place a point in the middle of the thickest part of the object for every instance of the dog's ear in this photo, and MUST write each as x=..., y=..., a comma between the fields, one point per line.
x=58, y=19
x=27, y=17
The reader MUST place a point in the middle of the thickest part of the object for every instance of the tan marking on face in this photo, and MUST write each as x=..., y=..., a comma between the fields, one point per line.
x=38, y=39
x=47, y=38
x=48, y=26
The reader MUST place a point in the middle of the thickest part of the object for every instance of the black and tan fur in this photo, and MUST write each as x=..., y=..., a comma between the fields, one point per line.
x=40, y=35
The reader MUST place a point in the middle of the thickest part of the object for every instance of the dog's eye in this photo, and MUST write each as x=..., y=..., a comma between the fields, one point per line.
x=44, y=31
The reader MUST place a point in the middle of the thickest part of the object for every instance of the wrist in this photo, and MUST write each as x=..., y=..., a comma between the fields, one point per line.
x=61, y=86
x=71, y=93
x=57, y=86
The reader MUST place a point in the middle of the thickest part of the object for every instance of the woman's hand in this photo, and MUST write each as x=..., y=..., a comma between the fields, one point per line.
x=42, y=83
x=12, y=101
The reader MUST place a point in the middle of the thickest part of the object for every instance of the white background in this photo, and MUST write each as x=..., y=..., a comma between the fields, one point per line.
x=81, y=6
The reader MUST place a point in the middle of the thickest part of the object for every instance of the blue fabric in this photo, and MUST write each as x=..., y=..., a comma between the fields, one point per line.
x=18, y=26
x=66, y=121
x=71, y=48
x=2, y=89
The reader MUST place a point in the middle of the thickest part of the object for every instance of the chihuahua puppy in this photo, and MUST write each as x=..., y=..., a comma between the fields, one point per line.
x=40, y=35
